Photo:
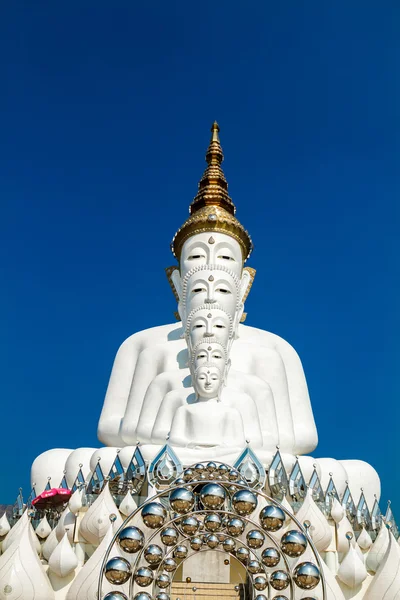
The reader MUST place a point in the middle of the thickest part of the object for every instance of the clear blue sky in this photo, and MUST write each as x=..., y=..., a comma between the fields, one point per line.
x=105, y=114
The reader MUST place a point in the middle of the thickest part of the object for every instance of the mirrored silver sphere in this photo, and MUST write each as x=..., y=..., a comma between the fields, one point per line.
x=262, y=597
x=260, y=583
x=233, y=475
x=162, y=596
x=180, y=552
x=154, y=515
x=244, y=502
x=270, y=557
x=254, y=567
x=196, y=543
x=272, y=518
x=143, y=576
x=229, y=545
x=255, y=539
x=212, y=541
x=131, y=540
x=153, y=554
x=188, y=474
x=242, y=554
x=142, y=596
x=179, y=481
x=199, y=468
x=280, y=597
x=211, y=467
x=306, y=575
x=117, y=570
x=293, y=543
x=222, y=470
x=212, y=496
x=235, y=527
x=279, y=580
x=169, y=565
x=169, y=536
x=190, y=525
x=213, y=522
x=163, y=580
x=116, y=596
x=181, y=500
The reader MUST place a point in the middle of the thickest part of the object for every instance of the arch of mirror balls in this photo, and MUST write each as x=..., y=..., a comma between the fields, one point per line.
x=199, y=503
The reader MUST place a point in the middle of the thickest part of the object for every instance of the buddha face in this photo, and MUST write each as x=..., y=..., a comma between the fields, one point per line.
x=209, y=352
x=209, y=321
x=211, y=286
x=207, y=381
x=211, y=249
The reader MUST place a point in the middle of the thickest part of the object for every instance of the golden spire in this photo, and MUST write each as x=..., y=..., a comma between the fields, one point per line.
x=212, y=209
x=213, y=187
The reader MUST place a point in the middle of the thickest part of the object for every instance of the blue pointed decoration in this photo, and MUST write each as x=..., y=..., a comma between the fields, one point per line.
x=96, y=481
x=315, y=485
x=48, y=485
x=250, y=468
x=376, y=516
x=18, y=507
x=79, y=481
x=31, y=497
x=136, y=471
x=277, y=477
x=165, y=467
x=64, y=484
x=297, y=484
x=389, y=520
x=330, y=494
x=348, y=504
x=363, y=516
x=116, y=476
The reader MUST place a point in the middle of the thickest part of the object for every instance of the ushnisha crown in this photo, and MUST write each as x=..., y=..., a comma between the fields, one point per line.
x=212, y=209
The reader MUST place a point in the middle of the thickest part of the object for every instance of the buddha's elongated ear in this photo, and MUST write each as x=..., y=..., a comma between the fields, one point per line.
x=174, y=280
x=246, y=282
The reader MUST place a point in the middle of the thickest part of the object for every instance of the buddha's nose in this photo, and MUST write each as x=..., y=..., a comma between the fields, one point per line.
x=210, y=300
x=208, y=331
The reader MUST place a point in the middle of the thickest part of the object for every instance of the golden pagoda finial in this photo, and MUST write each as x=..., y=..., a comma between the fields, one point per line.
x=213, y=187
x=212, y=209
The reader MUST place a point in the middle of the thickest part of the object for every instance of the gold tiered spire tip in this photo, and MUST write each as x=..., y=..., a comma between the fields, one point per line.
x=212, y=209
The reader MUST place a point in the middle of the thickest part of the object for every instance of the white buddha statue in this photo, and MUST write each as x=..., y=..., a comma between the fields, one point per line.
x=262, y=396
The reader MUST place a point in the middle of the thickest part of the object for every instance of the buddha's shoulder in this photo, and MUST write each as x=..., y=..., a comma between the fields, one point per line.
x=154, y=335
x=262, y=337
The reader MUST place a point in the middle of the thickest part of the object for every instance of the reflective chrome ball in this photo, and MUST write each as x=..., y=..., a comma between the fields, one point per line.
x=211, y=467
x=213, y=522
x=154, y=515
x=242, y=554
x=212, y=495
x=306, y=576
x=293, y=543
x=179, y=481
x=272, y=518
x=188, y=474
x=254, y=567
x=199, y=468
x=244, y=502
x=233, y=475
x=169, y=536
x=255, y=539
x=262, y=597
x=279, y=580
x=190, y=525
x=260, y=583
x=162, y=596
x=163, y=580
x=235, y=527
x=212, y=541
x=153, y=554
x=280, y=597
x=142, y=596
x=181, y=500
x=180, y=552
x=131, y=540
x=270, y=557
x=229, y=545
x=196, y=543
x=117, y=596
x=143, y=576
x=118, y=570
x=169, y=565
x=222, y=470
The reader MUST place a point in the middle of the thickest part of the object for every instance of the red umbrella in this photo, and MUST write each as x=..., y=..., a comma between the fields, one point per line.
x=51, y=498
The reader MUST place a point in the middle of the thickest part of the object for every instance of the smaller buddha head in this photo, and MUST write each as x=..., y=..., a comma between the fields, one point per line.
x=207, y=381
x=208, y=321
